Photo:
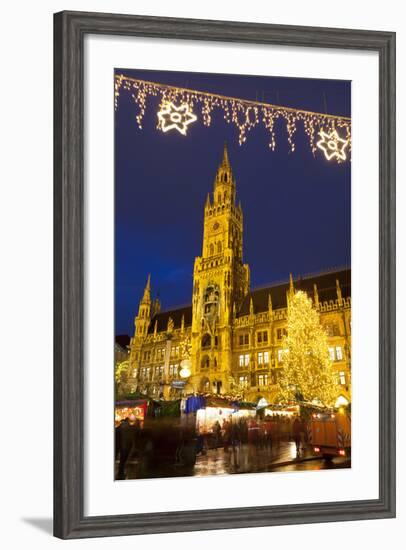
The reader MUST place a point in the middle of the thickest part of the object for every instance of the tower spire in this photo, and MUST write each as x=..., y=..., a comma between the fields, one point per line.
x=225, y=163
x=147, y=290
x=224, y=176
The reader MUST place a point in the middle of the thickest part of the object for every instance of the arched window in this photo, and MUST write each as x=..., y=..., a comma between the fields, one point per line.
x=219, y=248
x=206, y=341
x=225, y=196
x=211, y=249
x=219, y=197
x=205, y=364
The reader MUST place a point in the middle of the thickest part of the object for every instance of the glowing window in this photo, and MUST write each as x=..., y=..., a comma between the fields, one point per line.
x=263, y=380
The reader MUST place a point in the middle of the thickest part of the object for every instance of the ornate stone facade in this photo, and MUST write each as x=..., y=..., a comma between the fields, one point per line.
x=235, y=333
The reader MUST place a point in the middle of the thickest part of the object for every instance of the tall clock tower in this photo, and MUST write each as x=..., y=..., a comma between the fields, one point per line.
x=221, y=280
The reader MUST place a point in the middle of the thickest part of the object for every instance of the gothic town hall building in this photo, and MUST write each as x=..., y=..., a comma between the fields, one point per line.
x=234, y=333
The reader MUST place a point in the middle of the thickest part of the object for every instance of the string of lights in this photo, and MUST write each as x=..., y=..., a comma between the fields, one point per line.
x=179, y=107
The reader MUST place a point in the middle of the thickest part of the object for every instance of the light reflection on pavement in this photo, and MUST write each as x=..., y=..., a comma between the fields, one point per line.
x=241, y=459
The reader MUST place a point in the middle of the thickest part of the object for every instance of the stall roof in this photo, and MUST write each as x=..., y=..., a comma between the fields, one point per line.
x=217, y=401
x=131, y=402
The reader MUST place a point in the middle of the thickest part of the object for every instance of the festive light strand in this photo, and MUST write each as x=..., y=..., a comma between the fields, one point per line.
x=243, y=113
x=172, y=117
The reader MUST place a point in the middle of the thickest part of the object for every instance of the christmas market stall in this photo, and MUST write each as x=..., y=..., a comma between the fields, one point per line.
x=134, y=409
x=216, y=409
x=141, y=407
x=244, y=409
x=214, y=415
x=288, y=411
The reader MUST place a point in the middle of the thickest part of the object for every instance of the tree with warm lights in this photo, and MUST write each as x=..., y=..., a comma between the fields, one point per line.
x=122, y=378
x=307, y=374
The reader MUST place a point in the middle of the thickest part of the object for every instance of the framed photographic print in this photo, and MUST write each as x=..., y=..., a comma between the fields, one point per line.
x=224, y=275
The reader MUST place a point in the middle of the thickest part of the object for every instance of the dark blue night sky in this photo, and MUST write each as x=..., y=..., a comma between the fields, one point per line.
x=297, y=210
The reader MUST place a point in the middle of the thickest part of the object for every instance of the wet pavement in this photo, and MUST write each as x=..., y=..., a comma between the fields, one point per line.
x=315, y=464
x=239, y=459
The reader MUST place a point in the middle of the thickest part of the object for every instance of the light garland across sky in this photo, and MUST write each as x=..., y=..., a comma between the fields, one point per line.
x=179, y=108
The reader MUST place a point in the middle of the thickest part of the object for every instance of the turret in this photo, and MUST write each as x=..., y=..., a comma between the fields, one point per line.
x=269, y=304
x=291, y=290
x=339, y=293
x=291, y=285
x=251, y=307
x=316, y=297
x=143, y=318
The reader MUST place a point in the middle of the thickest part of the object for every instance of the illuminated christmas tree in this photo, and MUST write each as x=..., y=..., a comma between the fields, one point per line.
x=123, y=384
x=307, y=374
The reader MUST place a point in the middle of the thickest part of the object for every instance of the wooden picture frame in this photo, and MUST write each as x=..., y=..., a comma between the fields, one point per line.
x=70, y=30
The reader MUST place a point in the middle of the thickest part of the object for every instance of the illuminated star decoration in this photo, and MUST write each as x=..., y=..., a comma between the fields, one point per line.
x=332, y=145
x=242, y=113
x=172, y=117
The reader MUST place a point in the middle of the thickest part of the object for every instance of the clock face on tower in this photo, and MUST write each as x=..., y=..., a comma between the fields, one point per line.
x=216, y=226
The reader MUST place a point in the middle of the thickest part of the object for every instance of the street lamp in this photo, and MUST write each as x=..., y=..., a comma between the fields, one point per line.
x=186, y=363
x=185, y=371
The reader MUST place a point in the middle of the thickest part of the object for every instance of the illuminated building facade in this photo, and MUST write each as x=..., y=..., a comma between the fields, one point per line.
x=235, y=333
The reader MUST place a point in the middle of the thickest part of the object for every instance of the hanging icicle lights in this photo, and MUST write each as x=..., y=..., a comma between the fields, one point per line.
x=244, y=114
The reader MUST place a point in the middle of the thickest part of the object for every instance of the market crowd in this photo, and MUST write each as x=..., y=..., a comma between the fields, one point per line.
x=268, y=432
x=180, y=444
